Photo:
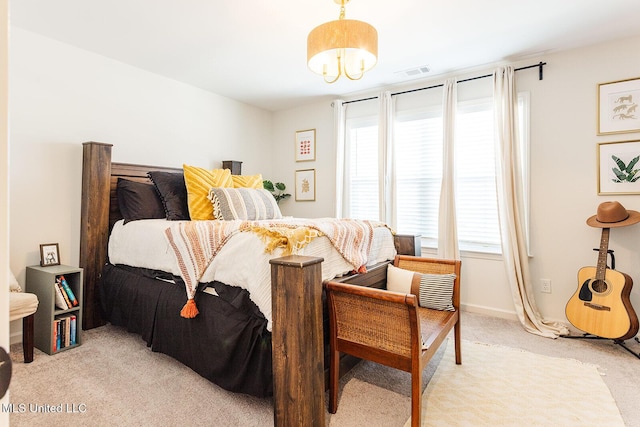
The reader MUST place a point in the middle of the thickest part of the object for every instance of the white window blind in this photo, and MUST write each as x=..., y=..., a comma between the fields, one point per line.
x=362, y=158
x=476, y=199
x=418, y=139
x=418, y=143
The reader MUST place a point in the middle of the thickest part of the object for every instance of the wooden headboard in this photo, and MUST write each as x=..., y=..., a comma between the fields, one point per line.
x=98, y=214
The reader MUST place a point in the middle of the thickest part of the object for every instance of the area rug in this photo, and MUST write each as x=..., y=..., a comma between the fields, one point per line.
x=501, y=386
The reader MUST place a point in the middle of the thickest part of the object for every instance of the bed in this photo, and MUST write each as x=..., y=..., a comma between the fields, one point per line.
x=147, y=298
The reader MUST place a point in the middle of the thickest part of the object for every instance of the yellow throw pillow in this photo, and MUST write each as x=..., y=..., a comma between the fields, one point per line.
x=247, y=181
x=198, y=182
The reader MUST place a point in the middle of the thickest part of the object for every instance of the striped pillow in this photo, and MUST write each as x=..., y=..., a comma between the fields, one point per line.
x=243, y=203
x=436, y=291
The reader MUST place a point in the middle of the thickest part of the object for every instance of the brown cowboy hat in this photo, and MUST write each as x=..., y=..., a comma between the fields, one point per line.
x=613, y=214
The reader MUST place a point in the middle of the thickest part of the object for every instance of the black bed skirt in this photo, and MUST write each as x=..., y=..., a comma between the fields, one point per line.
x=228, y=342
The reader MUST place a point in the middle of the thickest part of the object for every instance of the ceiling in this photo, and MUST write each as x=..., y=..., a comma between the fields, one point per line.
x=254, y=51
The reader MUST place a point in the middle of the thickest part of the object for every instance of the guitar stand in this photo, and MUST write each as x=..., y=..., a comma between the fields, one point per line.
x=618, y=342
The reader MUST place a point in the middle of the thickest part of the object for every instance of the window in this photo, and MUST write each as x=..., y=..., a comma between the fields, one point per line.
x=362, y=157
x=476, y=198
x=418, y=168
x=418, y=139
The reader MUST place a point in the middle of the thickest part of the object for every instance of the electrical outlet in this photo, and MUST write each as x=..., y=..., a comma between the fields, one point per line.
x=545, y=286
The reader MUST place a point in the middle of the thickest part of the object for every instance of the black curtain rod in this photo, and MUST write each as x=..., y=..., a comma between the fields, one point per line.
x=539, y=65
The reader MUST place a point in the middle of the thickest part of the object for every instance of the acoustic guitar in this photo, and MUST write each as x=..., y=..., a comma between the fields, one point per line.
x=601, y=305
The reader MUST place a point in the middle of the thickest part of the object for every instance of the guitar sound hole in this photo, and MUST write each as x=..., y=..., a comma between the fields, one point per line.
x=599, y=286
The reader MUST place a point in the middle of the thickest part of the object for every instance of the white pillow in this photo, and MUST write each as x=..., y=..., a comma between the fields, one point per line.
x=400, y=280
x=14, y=286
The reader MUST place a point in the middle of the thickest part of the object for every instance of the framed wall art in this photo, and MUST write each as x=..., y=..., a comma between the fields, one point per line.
x=619, y=167
x=618, y=106
x=305, y=145
x=306, y=185
x=49, y=254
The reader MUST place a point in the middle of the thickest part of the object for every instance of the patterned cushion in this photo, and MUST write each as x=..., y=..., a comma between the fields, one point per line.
x=247, y=181
x=243, y=203
x=434, y=291
x=198, y=182
x=173, y=193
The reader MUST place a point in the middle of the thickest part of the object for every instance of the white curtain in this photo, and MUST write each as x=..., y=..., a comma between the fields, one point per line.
x=447, y=228
x=387, y=173
x=510, y=207
x=342, y=199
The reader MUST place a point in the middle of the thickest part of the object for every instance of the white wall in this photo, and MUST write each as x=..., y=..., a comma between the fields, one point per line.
x=61, y=96
x=563, y=176
x=317, y=116
x=4, y=189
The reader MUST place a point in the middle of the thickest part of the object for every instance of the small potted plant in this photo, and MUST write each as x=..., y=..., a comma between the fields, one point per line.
x=276, y=189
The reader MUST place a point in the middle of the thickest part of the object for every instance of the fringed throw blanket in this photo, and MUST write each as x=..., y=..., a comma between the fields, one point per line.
x=196, y=243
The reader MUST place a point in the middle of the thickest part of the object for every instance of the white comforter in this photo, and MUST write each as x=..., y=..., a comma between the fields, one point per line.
x=242, y=261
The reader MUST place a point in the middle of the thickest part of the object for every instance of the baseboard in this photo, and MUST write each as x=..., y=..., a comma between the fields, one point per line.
x=15, y=332
x=15, y=338
x=489, y=311
x=511, y=315
x=502, y=314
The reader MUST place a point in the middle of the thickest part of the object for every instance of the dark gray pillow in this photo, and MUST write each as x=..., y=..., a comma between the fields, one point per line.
x=173, y=193
x=138, y=200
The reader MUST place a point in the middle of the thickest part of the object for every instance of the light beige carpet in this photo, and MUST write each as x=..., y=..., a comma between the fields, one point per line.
x=501, y=386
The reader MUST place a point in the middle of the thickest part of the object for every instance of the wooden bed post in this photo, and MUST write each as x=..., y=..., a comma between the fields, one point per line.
x=94, y=226
x=297, y=341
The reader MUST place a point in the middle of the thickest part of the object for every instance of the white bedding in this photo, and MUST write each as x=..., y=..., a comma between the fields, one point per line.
x=242, y=261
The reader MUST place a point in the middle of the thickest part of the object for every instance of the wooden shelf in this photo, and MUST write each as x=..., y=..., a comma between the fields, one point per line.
x=41, y=281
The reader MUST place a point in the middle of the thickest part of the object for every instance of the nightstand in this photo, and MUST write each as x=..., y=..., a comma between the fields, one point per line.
x=56, y=329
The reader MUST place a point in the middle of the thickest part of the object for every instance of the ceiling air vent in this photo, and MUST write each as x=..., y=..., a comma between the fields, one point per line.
x=415, y=72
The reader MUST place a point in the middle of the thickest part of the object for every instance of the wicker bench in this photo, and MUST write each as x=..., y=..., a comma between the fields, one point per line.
x=390, y=327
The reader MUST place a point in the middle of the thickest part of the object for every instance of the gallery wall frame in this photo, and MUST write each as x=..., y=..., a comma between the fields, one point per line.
x=619, y=167
x=305, y=185
x=305, y=145
x=618, y=106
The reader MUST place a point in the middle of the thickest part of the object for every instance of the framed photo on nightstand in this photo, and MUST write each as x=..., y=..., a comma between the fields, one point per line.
x=49, y=254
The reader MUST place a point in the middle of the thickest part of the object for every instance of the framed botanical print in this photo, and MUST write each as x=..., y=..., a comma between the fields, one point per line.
x=306, y=185
x=618, y=167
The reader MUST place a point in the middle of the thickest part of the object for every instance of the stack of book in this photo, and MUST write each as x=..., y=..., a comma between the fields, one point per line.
x=64, y=326
x=64, y=332
x=65, y=298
